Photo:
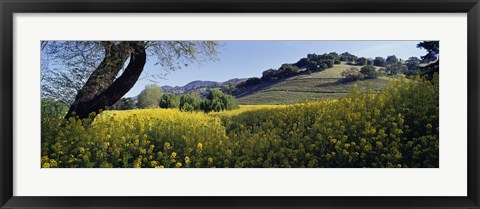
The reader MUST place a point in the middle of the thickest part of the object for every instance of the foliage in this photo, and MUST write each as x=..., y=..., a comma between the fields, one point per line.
x=311, y=63
x=135, y=138
x=335, y=57
x=218, y=101
x=190, y=102
x=347, y=57
x=52, y=108
x=413, y=66
x=362, y=61
x=250, y=82
x=124, y=104
x=150, y=96
x=433, y=50
x=52, y=113
x=67, y=65
x=412, y=63
x=302, y=63
x=395, y=68
x=398, y=128
x=320, y=62
x=431, y=58
x=391, y=60
x=269, y=75
x=352, y=74
x=288, y=70
x=323, y=85
x=369, y=72
x=379, y=61
x=170, y=101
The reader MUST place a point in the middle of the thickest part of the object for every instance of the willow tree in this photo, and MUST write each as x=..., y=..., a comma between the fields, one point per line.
x=93, y=75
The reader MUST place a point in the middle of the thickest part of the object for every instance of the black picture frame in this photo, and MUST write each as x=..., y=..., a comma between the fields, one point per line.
x=9, y=7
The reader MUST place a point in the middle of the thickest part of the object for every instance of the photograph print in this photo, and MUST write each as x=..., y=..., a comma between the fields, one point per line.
x=240, y=104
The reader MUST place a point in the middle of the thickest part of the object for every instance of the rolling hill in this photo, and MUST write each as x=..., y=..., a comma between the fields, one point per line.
x=304, y=87
x=315, y=86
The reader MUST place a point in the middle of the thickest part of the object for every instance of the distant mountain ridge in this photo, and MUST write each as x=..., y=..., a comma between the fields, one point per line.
x=200, y=87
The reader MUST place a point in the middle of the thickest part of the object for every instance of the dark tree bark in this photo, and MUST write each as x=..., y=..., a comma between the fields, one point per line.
x=102, y=89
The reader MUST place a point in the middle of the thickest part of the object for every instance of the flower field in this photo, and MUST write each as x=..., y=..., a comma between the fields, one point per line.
x=397, y=128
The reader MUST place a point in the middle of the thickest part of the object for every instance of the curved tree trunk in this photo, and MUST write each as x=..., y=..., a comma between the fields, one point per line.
x=102, y=89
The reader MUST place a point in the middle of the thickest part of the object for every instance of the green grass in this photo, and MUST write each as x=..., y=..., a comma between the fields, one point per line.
x=316, y=86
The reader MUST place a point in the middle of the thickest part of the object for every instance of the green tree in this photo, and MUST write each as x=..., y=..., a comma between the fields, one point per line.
x=395, y=68
x=250, y=82
x=335, y=57
x=302, y=63
x=288, y=70
x=170, y=101
x=218, y=101
x=362, y=61
x=190, y=102
x=51, y=108
x=412, y=63
x=347, y=57
x=268, y=75
x=313, y=67
x=391, y=60
x=150, y=96
x=379, y=61
x=92, y=75
x=369, y=72
x=433, y=50
x=432, y=57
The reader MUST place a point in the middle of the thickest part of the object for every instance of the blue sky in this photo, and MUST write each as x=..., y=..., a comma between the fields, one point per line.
x=243, y=59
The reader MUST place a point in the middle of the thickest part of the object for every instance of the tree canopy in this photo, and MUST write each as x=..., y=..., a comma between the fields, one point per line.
x=92, y=75
x=379, y=61
x=150, y=97
x=391, y=60
x=432, y=58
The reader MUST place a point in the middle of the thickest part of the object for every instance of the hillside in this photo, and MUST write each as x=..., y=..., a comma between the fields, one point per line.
x=200, y=87
x=315, y=86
